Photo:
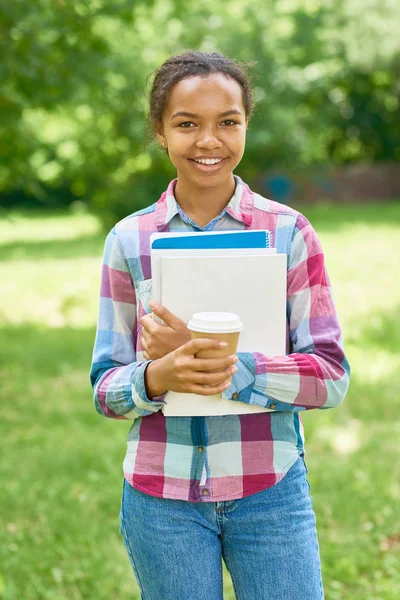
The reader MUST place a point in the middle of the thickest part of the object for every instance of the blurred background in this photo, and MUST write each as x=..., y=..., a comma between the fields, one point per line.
x=75, y=157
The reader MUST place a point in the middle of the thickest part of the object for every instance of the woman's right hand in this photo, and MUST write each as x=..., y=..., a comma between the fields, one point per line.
x=182, y=371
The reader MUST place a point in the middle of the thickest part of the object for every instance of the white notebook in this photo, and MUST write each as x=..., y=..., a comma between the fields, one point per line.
x=253, y=286
x=158, y=255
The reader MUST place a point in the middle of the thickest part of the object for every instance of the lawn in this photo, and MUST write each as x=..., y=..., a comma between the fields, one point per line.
x=61, y=473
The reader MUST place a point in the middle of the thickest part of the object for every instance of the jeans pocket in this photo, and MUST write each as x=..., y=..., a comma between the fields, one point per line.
x=306, y=480
x=304, y=463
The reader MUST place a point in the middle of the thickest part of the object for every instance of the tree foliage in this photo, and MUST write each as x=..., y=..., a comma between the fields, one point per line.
x=73, y=99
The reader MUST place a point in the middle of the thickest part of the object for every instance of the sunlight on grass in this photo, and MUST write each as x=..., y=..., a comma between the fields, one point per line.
x=361, y=263
x=374, y=365
x=34, y=226
x=343, y=440
x=55, y=293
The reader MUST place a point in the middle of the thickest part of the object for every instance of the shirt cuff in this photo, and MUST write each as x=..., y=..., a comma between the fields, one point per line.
x=139, y=394
x=243, y=380
x=242, y=387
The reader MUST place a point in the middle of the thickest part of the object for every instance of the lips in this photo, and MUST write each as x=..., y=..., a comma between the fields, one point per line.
x=208, y=168
x=208, y=158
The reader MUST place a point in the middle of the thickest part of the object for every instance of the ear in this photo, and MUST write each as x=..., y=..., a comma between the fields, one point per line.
x=159, y=129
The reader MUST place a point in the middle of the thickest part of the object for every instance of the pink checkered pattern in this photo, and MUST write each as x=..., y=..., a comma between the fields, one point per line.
x=203, y=459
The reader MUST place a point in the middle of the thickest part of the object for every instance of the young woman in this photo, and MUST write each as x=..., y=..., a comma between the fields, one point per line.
x=202, y=489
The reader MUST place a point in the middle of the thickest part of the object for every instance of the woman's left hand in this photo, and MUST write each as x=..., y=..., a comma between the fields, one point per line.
x=159, y=340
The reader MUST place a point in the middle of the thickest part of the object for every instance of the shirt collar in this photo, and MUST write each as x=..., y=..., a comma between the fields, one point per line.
x=240, y=206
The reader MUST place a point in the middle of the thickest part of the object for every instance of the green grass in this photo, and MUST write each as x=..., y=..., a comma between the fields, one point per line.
x=61, y=474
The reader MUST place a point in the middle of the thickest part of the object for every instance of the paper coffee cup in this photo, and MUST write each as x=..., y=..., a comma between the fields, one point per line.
x=222, y=326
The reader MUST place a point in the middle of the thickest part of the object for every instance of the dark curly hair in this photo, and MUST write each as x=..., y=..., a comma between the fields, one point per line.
x=191, y=64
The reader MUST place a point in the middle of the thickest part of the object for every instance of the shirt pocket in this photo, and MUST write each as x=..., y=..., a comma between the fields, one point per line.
x=144, y=290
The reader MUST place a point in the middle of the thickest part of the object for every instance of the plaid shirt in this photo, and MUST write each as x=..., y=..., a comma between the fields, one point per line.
x=203, y=459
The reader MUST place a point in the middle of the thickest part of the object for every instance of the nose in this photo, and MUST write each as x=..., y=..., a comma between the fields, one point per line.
x=207, y=139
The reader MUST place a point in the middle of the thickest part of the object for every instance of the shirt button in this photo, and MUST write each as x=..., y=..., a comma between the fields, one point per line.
x=272, y=405
x=235, y=396
x=200, y=448
x=204, y=492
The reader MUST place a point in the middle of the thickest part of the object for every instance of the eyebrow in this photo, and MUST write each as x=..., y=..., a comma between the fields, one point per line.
x=193, y=116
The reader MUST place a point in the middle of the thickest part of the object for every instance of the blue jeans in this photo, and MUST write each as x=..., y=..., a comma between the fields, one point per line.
x=268, y=542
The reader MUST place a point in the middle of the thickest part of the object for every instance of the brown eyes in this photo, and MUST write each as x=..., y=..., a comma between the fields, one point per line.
x=186, y=124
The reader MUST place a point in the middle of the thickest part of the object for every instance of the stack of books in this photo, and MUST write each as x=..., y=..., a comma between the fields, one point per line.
x=229, y=271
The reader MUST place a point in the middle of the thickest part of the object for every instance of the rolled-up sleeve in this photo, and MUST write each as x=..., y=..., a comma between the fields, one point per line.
x=117, y=379
x=316, y=372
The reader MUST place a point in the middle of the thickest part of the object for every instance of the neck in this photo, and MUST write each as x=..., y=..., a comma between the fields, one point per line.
x=203, y=204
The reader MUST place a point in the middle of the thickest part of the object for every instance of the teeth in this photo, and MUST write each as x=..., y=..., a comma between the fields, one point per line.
x=208, y=161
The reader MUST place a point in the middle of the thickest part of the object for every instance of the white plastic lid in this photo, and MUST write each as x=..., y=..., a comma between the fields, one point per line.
x=215, y=322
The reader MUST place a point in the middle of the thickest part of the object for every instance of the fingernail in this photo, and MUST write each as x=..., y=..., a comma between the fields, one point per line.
x=154, y=304
x=222, y=344
x=234, y=359
x=234, y=369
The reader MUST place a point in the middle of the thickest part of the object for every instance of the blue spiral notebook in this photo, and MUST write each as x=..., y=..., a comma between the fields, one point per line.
x=259, y=238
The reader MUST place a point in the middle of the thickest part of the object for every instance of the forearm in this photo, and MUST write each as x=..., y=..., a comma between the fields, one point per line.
x=117, y=378
x=303, y=381
x=120, y=392
x=299, y=381
x=153, y=380
x=315, y=373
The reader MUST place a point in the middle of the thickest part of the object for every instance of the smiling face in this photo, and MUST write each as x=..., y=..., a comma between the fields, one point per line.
x=204, y=120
